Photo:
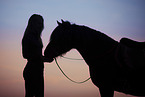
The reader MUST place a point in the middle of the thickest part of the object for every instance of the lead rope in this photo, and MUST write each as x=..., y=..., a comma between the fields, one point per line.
x=66, y=75
x=70, y=58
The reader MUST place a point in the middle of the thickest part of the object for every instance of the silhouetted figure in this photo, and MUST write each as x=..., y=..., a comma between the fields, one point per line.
x=32, y=51
x=113, y=66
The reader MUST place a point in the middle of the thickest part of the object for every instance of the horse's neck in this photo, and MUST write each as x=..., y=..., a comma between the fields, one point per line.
x=82, y=37
x=88, y=38
x=84, y=43
x=93, y=43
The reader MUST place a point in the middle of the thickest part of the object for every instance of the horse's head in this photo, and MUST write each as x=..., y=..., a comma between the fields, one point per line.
x=60, y=41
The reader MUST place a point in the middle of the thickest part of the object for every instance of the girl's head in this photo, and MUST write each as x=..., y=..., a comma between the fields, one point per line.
x=35, y=25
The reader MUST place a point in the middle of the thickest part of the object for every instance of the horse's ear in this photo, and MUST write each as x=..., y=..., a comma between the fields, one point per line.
x=62, y=20
x=58, y=23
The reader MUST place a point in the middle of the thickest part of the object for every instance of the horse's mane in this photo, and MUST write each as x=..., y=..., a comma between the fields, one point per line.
x=71, y=36
x=81, y=32
x=72, y=27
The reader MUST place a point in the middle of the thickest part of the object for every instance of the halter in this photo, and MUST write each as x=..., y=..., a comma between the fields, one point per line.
x=71, y=58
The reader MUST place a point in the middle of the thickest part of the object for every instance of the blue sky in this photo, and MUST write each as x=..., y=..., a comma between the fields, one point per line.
x=124, y=18
x=116, y=18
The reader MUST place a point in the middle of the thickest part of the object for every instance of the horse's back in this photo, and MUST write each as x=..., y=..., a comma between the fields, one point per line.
x=132, y=70
x=133, y=44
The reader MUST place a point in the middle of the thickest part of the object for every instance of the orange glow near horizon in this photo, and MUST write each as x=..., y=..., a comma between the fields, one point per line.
x=12, y=83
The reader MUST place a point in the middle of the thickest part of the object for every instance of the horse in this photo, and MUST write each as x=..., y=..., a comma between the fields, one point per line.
x=99, y=52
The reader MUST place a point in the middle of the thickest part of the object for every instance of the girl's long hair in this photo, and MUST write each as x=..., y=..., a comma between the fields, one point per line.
x=33, y=31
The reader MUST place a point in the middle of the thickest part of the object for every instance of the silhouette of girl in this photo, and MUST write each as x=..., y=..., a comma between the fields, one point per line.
x=32, y=51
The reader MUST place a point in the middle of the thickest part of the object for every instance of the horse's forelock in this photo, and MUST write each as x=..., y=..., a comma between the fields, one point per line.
x=59, y=29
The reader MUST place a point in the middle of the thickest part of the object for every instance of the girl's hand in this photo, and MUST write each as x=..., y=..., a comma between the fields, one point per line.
x=47, y=59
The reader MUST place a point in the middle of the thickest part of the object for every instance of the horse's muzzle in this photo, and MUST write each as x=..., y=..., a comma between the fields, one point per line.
x=48, y=59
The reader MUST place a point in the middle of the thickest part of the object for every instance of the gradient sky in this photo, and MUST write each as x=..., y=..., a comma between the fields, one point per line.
x=116, y=18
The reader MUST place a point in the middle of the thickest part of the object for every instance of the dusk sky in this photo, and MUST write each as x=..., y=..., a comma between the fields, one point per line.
x=116, y=18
